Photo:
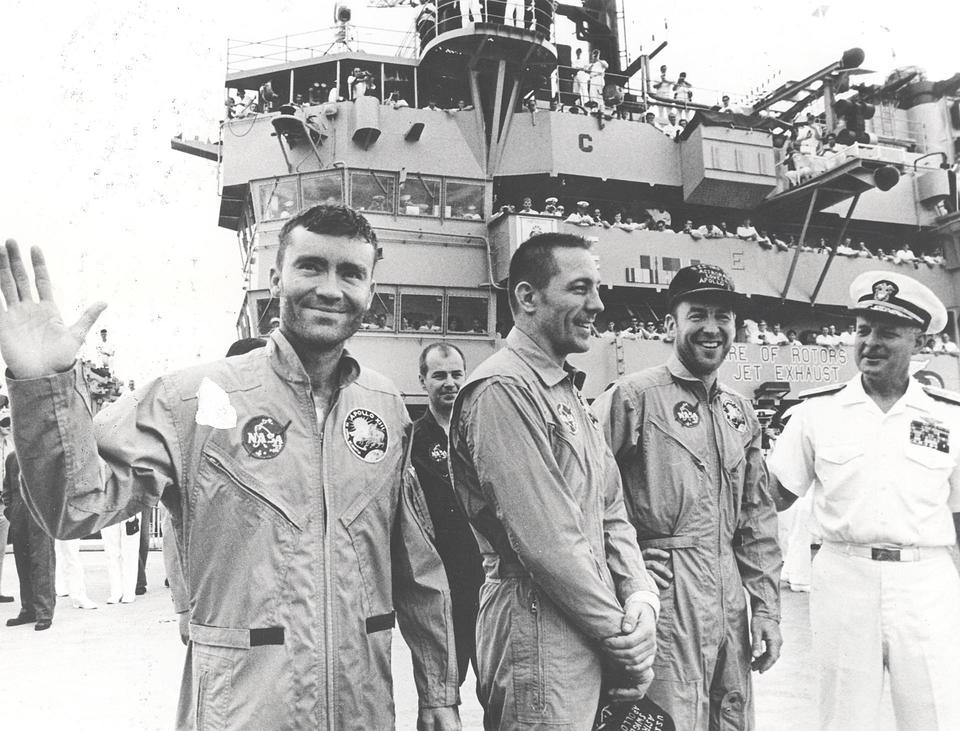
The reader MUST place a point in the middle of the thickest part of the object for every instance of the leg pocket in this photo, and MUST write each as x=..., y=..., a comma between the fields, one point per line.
x=213, y=673
x=526, y=648
x=554, y=676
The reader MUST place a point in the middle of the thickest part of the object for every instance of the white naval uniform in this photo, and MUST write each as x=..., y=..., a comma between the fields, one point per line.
x=69, y=571
x=598, y=71
x=581, y=81
x=881, y=481
x=123, y=555
x=470, y=11
x=514, y=13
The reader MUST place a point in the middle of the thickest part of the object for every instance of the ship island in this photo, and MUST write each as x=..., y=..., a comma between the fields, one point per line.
x=477, y=125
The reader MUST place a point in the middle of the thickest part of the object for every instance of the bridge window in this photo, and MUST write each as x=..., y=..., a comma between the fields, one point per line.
x=464, y=200
x=427, y=311
x=326, y=188
x=372, y=192
x=268, y=316
x=467, y=314
x=382, y=313
x=278, y=199
x=421, y=313
x=420, y=196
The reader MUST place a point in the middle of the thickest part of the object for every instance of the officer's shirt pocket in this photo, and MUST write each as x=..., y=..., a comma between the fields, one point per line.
x=928, y=473
x=839, y=466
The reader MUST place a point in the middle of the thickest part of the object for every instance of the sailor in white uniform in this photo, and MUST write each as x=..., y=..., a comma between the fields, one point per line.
x=881, y=454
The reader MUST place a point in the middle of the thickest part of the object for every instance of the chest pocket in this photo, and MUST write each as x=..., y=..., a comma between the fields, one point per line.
x=929, y=468
x=668, y=447
x=241, y=536
x=222, y=480
x=675, y=498
x=837, y=467
x=369, y=522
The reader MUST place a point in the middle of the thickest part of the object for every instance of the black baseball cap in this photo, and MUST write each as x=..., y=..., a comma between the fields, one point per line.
x=702, y=279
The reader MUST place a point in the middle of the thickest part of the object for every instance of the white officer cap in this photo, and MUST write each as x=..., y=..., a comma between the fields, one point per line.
x=583, y=204
x=900, y=297
x=550, y=200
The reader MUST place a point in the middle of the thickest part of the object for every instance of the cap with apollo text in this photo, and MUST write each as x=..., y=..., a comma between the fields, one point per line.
x=900, y=297
x=701, y=279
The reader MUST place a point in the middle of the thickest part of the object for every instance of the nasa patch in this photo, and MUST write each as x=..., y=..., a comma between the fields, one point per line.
x=366, y=435
x=733, y=413
x=438, y=454
x=566, y=416
x=686, y=414
x=264, y=437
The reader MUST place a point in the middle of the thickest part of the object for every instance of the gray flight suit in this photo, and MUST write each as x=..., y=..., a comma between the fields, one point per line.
x=695, y=485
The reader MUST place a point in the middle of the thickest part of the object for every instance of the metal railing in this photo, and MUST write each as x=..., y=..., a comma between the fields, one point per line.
x=340, y=38
x=437, y=18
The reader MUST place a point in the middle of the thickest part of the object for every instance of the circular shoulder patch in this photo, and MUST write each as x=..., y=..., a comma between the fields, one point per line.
x=366, y=435
x=733, y=413
x=264, y=437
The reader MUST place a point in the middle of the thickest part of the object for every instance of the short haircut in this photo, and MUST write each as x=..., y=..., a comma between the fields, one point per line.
x=445, y=349
x=534, y=262
x=333, y=220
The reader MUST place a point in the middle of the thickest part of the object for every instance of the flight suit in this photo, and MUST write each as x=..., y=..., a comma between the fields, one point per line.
x=542, y=493
x=695, y=485
x=300, y=540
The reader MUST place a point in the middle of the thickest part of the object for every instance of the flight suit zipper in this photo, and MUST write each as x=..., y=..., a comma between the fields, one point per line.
x=718, y=455
x=259, y=497
x=540, y=680
x=329, y=653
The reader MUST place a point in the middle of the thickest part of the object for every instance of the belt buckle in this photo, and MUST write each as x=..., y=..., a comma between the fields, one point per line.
x=885, y=554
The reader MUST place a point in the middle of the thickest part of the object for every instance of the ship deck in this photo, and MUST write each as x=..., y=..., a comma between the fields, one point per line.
x=118, y=667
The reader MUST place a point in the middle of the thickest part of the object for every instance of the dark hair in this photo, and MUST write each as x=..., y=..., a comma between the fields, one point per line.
x=445, y=347
x=245, y=345
x=534, y=262
x=334, y=220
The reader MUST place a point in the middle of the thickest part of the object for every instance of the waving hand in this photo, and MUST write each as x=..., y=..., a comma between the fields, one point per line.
x=34, y=340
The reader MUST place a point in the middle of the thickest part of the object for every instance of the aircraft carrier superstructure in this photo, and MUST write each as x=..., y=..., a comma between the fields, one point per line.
x=437, y=134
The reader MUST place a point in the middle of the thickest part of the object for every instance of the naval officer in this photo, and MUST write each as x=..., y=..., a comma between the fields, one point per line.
x=881, y=455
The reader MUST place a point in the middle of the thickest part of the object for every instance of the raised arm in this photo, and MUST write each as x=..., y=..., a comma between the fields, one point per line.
x=34, y=340
x=77, y=477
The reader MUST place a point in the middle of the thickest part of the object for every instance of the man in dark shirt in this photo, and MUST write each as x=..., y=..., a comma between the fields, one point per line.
x=442, y=372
